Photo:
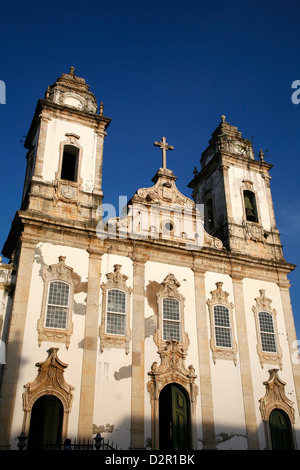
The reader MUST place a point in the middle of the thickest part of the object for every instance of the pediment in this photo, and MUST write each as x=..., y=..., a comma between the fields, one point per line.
x=161, y=212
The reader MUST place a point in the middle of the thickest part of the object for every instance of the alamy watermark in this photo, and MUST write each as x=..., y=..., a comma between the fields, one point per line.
x=296, y=94
x=2, y=92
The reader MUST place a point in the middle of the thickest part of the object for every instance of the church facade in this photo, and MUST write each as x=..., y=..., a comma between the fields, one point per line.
x=169, y=328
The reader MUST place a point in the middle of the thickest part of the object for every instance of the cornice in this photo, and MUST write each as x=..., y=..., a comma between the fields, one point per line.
x=84, y=236
x=226, y=159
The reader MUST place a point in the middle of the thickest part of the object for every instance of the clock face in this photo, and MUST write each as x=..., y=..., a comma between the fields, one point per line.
x=73, y=101
x=68, y=192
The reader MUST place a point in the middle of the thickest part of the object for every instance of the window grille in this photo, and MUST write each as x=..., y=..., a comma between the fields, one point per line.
x=267, y=333
x=116, y=312
x=58, y=305
x=222, y=327
x=171, y=320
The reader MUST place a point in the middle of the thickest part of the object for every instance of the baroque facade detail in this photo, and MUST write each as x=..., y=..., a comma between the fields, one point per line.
x=49, y=381
x=219, y=297
x=275, y=397
x=115, y=280
x=57, y=272
x=274, y=355
x=169, y=289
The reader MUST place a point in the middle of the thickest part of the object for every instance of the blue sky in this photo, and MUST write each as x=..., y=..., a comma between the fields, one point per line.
x=162, y=68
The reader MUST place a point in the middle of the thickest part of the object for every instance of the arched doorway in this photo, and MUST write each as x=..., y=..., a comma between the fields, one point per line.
x=174, y=418
x=45, y=423
x=280, y=430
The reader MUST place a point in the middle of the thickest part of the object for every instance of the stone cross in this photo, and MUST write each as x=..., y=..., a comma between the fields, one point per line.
x=164, y=146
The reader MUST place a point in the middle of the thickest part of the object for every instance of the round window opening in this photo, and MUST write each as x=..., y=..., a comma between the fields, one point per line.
x=169, y=226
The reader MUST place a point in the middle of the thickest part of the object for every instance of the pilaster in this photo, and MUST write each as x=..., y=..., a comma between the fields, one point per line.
x=284, y=286
x=206, y=396
x=15, y=341
x=38, y=168
x=245, y=365
x=138, y=355
x=88, y=377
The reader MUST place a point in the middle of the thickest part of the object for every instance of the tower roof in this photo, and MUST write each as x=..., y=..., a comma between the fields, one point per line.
x=70, y=90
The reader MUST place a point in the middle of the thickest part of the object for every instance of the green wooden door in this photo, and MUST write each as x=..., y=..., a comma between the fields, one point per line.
x=281, y=432
x=174, y=418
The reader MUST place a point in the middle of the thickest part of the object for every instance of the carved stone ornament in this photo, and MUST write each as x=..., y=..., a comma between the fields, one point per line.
x=275, y=398
x=57, y=272
x=263, y=304
x=162, y=212
x=220, y=297
x=49, y=381
x=115, y=280
x=172, y=369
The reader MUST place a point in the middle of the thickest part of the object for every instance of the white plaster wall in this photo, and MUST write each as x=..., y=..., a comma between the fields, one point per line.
x=31, y=353
x=261, y=374
x=236, y=177
x=228, y=404
x=112, y=408
x=56, y=133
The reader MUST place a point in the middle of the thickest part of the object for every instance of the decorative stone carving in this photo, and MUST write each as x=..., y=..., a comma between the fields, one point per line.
x=152, y=210
x=49, y=381
x=220, y=297
x=263, y=304
x=172, y=369
x=59, y=272
x=115, y=280
x=275, y=398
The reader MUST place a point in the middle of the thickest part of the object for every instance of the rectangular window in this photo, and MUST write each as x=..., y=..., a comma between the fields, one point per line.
x=58, y=305
x=222, y=326
x=171, y=320
x=267, y=334
x=116, y=312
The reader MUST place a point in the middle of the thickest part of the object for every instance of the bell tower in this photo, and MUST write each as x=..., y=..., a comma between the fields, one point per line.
x=234, y=187
x=63, y=181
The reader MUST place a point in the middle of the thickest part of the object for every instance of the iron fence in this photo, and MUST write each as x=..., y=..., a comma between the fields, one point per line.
x=97, y=443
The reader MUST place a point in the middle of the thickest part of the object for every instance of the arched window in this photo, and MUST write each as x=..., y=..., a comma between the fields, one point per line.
x=171, y=319
x=267, y=332
x=222, y=342
x=114, y=330
x=222, y=327
x=55, y=322
x=116, y=312
x=57, y=305
x=250, y=206
x=69, y=166
x=268, y=344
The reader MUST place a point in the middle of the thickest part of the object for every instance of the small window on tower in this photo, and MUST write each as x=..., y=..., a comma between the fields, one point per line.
x=69, y=167
x=250, y=206
x=209, y=215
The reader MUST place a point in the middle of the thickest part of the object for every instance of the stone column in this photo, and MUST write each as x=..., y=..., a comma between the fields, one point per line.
x=206, y=395
x=15, y=342
x=39, y=159
x=284, y=286
x=101, y=134
x=246, y=378
x=138, y=355
x=88, y=377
